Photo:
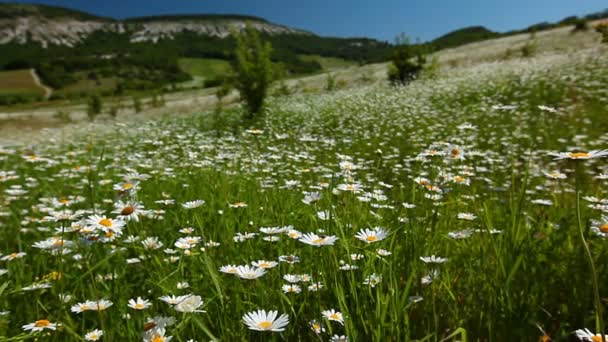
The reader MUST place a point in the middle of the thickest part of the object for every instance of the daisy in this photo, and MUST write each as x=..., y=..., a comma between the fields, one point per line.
x=600, y=227
x=555, y=175
x=13, y=256
x=190, y=304
x=230, y=269
x=369, y=236
x=316, y=327
x=291, y=288
x=316, y=240
x=248, y=272
x=128, y=211
x=156, y=335
x=586, y=335
x=94, y=335
x=333, y=315
x=139, y=304
x=126, y=186
x=193, y=204
x=104, y=223
x=339, y=338
x=260, y=320
x=433, y=259
x=264, y=264
x=579, y=155
x=40, y=325
x=173, y=300
x=290, y=259
x=238, y=205
x=466, y=216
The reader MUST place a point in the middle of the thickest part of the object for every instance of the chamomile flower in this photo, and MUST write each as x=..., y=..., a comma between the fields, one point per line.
x=579, y=155
x=587, y=335
x=318, y=241
x=333, y=315
x=261, y=320
x=94, y=335
x=369, y=236
x=248, y=272
x=189, y=304
x=433, y=259
x=193, y=204
x=40, y=325
x=264, y=264
x=291, y=288
x=139, y=304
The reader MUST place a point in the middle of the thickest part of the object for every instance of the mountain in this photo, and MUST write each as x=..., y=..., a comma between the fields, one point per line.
x=464, y=36
x=73, y=49
x=48, y=25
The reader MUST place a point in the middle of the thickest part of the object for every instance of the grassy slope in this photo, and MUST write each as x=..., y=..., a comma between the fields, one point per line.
x=206, y=68
x=18, y=82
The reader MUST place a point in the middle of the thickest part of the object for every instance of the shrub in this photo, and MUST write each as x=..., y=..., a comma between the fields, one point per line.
x=253, y=69
x=94, y=106
x=407, y=62
x=602, y=28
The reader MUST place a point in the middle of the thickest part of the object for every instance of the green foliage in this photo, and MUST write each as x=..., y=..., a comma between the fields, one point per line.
x=137, y=106
x=330, y=82
x=63, y=116
x=463, y=36
x=253, y=69
x=94, y=106
x=406, y=63
x=603, y=30
x=580, y=25
x=529, y=48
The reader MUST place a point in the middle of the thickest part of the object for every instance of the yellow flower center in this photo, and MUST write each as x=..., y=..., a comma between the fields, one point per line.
x=459, y=179
x=577, y=155
x=264, y=265
x=371, y=238
x=596, y=339
x=265, y=325
x=158, y=338
x=335, y=316
x=455, y=152
x=318, y=241
x=42, y=323
x=127, y=186
x=64, y=201
x=604, y=228
x=106, y=222
x=139, y=306
x=128, y=210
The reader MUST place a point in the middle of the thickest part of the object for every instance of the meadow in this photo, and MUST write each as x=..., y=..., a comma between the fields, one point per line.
x=19, y=84
x=467, y=206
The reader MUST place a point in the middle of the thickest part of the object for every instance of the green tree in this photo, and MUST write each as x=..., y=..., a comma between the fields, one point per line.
x=407, y=61
x=253, y=69
x=94, y=106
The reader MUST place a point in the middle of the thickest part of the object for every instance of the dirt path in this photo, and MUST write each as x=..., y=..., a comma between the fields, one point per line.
x=47, y=91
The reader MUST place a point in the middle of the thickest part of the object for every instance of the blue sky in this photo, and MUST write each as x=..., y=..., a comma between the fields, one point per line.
x=381, y=19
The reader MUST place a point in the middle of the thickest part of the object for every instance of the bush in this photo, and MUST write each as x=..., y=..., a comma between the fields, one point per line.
x=603, y=30
x=529, y=49
x=407, y=62
x=94, y=106
x=580, y=26
x=253, y=70
x=136, y=104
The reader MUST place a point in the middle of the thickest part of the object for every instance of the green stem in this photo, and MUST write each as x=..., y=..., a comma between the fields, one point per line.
x=599, y=323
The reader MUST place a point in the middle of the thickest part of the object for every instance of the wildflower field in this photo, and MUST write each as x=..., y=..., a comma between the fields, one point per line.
x=469, y=207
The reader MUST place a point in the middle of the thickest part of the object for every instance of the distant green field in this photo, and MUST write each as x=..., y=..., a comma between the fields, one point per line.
x=206, y=68
x=86, y=86
x=328, y=63
x=18, y=82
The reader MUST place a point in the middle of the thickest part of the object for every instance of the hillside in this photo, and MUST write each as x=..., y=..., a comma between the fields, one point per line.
x=463, y=36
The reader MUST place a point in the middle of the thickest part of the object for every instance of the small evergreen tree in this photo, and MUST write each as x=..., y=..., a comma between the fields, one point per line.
x=253, y=69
